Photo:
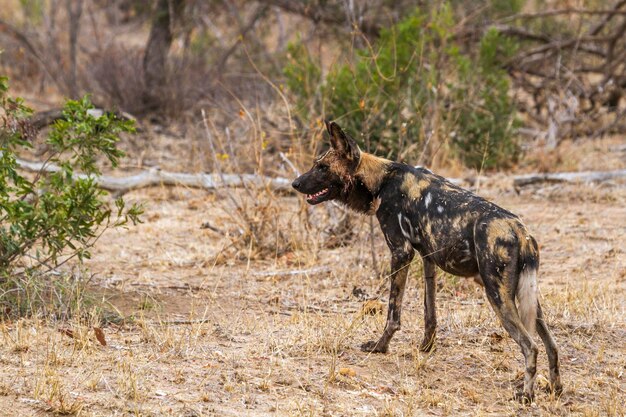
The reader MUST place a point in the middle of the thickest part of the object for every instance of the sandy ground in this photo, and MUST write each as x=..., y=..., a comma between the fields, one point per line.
x=209, y=332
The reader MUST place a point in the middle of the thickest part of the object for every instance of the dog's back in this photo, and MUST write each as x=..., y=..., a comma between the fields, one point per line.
x=440, y=219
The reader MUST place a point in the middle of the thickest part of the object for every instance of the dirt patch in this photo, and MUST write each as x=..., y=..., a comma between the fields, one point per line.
x=210, y=333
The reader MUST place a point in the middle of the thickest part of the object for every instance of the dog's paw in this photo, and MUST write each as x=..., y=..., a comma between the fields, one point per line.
x=427, y=345
x=523, y=397
x=373, y=347
x=556, y=389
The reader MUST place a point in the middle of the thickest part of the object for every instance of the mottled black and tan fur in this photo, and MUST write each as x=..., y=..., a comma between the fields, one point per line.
x=449, y=227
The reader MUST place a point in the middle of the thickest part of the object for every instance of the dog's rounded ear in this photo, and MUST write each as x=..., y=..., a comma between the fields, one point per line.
x=342, y=142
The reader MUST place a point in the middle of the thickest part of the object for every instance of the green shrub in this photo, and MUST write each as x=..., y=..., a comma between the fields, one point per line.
x=486, y=114
x=414, y=93
x=386, y=89
x=49, y=217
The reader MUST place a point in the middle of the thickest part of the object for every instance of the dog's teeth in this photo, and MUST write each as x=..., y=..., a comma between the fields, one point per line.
x=317, y=194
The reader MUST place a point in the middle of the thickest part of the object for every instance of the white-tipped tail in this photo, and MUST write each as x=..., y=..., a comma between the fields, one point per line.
x=527, y=299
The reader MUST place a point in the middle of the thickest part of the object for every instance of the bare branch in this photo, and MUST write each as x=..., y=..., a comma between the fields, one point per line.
x=259, y=12
x=602, y=23
x=567, y=11
x=326, y=13
x=25, y=41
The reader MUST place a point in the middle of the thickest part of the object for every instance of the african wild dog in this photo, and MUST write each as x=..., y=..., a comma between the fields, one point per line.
x=451, y=228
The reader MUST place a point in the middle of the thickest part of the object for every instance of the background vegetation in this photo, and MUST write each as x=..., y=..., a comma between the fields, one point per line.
x=437, y=83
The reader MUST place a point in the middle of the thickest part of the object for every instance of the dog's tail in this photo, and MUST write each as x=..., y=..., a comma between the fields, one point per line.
x=526, y=292
x=527, y=298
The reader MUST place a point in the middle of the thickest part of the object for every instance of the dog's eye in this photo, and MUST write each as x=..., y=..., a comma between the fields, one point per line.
x=322, y=167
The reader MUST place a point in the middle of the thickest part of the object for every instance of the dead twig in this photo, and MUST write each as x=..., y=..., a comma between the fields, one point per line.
x=181, y=322
x=311, y=271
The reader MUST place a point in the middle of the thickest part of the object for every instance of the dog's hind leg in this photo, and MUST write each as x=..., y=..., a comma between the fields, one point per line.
x=401, y=258
x=430, y=315
x=507, y=313
x=551, y=350
x=513, y=325
x=498, y=265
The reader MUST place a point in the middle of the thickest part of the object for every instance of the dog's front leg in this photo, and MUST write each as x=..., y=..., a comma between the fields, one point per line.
x=400, y=260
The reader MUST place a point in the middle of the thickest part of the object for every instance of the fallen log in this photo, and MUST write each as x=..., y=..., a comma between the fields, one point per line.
x=156, y=176
x=585, y=176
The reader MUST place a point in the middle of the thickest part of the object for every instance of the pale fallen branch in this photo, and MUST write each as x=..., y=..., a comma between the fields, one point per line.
x=156, y=176
x=586, y=176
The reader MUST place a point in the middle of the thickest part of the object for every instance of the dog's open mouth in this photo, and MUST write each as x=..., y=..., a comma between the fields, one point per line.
x=317, y=197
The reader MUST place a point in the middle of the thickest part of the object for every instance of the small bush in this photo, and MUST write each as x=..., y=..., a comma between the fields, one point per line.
x=485, y=113
x=54, y=215
x=386, y=90
x=413, y=93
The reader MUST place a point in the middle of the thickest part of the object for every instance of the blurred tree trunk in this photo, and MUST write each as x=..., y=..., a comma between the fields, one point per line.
x=74, y=11
x=155, y=57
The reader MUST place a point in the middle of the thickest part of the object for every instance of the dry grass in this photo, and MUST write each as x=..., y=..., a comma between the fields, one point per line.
x=208, y=335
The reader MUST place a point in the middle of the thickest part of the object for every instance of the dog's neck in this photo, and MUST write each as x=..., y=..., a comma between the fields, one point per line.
x=371, y=171
x=362, y=194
